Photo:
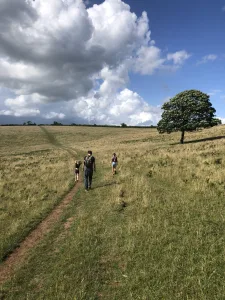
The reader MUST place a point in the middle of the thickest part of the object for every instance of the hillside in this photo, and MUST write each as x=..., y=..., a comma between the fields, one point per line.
x=153, y=231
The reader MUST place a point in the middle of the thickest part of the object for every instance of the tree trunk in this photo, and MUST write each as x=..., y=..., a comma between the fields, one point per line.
x=182, y=137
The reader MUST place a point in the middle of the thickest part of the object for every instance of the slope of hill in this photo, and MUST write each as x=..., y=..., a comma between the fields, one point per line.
x=153, y=231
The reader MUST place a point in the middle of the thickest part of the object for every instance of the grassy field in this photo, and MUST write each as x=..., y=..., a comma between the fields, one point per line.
x=166, y=242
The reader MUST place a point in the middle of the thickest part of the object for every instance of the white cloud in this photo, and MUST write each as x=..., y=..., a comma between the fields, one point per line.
x=113, y=79
x=222, y=120
x=148, y=60
x=23, y=101
x=23, y=105
x=6, y=113
x=207, y=58
x=57, y=52
x=53, y=115
x=178, y=57
x=21, y=112
x=126, y=106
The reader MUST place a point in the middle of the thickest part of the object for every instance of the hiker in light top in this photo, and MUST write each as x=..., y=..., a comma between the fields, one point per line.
x=114, y=163
x=89, y=167
x=76, y=169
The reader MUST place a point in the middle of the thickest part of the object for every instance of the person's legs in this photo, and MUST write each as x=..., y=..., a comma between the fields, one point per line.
x=86, y=180
x=115, y=169
x=75, y=175
x=90, y=178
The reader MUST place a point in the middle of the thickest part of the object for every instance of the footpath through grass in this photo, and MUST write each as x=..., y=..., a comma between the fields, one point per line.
x=165, y=241
x=29, y=182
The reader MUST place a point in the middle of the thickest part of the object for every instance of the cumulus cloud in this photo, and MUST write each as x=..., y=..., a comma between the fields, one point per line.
x=54, y=115
x=207, y=58
x=20, y=112
x=127, y=106
x=178, y=57
x=60, y=51
x=23, y=105
x=150, y=59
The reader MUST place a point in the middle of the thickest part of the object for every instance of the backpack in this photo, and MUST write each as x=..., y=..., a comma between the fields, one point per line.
x=88, y=161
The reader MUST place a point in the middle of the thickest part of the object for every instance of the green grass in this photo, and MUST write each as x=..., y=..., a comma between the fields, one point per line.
x=167, y=243
x=29, y=186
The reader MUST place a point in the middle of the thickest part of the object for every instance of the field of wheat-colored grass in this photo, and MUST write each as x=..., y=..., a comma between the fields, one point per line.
x=34, y=174
x=153, y=231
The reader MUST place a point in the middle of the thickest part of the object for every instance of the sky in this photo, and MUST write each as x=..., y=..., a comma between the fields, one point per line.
x=107, y=62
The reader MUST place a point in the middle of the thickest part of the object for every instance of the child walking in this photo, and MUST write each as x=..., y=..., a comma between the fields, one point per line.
x=76, y=169
x=114, y=163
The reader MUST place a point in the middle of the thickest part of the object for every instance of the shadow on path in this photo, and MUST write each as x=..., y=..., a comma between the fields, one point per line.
x=105, y=184
x=56, y=143
x=202, y=140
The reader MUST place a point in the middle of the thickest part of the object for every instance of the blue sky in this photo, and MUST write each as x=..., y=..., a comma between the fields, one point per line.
x=195, y=26
x=83, y=64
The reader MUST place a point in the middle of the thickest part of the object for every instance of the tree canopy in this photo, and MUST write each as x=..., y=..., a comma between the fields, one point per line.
x=187, y=111
x=29, y=123
x=56, y=123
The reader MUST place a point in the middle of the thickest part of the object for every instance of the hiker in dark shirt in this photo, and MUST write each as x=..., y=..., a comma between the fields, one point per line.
x=114, y=163
x=89, y=167
x=76, y=169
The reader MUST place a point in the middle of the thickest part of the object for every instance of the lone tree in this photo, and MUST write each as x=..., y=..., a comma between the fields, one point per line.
x=187, y=111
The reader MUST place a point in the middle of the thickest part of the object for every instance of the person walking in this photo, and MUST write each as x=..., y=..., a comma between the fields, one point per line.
x=114, y=163
x=89, y=167
x=76, y=169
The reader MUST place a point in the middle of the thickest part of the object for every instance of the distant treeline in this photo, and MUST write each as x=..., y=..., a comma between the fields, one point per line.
x=123, y=125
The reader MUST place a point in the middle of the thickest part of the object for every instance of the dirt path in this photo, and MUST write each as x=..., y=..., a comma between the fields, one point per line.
x=16, y=259
x=52, y=140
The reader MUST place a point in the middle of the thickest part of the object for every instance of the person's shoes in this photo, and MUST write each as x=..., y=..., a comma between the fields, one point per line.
x=86, y=190
x=89, y=187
